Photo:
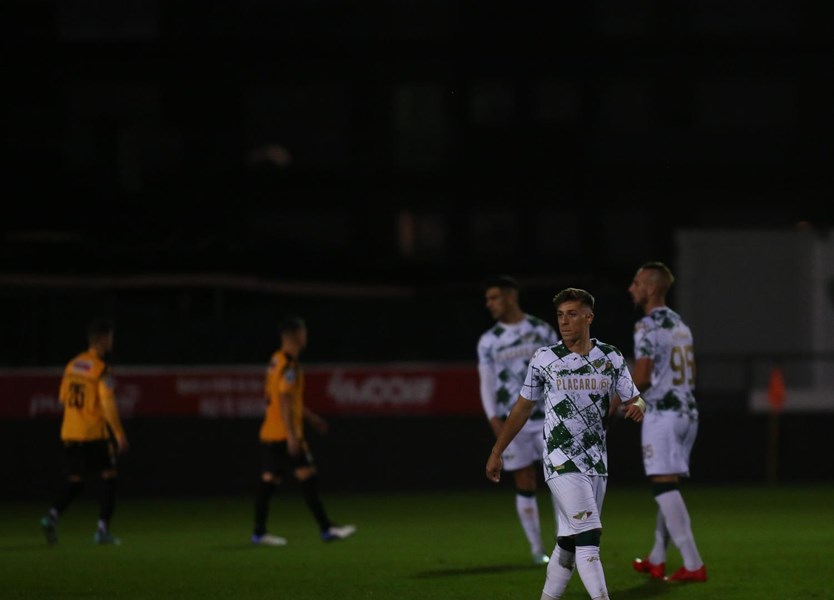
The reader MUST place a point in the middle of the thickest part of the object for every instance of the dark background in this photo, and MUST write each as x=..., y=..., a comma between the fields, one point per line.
x=430, y=143
x=530, y=137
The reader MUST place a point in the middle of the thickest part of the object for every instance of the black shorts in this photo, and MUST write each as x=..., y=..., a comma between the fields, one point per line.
x=276, y=459
x=83, y=458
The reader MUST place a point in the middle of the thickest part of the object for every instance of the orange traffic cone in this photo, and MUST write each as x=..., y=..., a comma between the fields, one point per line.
x=776, y=390
x=776, y=400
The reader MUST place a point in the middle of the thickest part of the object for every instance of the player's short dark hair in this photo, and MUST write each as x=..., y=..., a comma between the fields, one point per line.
x=664, y=273
x=99, y=327
x=501, y=281
x=569, y=294
x=291, y=324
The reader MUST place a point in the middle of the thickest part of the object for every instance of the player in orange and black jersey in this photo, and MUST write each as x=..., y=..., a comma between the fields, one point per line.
x=91, y=430
x=283, y=445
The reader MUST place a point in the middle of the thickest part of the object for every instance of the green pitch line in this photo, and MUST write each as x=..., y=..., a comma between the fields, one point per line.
x=758, y=542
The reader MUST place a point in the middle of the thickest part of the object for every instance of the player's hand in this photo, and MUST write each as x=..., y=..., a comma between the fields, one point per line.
x=319, y=424
x=121, y=444
x=293, y=446
x=494, y=466
x=634, y=409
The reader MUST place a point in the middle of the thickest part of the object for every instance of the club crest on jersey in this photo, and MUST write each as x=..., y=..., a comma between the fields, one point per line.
x=582, y=515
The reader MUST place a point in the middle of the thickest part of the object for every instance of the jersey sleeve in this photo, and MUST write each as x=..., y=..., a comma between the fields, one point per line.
x=287, y=378
x=273, y=380
x=483, y=352
x=533, y=387
x=624, y=385
x=63, y=391
x=644, y=341
x=486, y=378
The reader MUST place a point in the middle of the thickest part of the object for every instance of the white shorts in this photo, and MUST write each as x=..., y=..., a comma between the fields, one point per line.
x=527, y=447
x=667, y=440
x=579, y=500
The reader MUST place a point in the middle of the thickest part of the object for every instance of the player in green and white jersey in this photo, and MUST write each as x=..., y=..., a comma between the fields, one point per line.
x=664, y=371
x=581, y=381
x=504, y=352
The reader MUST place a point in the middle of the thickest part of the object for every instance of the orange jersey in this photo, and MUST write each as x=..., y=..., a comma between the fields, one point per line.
x=89, y=402
x=283, y=377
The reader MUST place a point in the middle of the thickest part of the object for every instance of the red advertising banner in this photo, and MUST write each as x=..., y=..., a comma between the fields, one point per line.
x=237, y=391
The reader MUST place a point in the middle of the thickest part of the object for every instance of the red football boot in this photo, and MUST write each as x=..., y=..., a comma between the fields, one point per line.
x=642, y=565
x=699, y=575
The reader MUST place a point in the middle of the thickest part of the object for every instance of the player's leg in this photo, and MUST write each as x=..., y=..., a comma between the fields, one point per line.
x=527, y=508
x=579, y=500
x=676, y=516
x=671, y=503
x=560, y=568
x=538, y=450
x=107, y=505
x=272, y=455
x=589, y=564
x=520, y=458
x=654, y=563
x=72, y=488
x=103, y=455
x=654, y=434
x=305, y=472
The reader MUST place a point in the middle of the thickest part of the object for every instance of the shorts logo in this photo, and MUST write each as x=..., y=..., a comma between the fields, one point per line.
x=582, y=516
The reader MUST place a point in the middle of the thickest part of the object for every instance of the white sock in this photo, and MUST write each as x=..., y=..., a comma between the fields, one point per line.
x=661, y=540
x=677, y=522
x=559, y=571
x=528, y=514
x=589, y=566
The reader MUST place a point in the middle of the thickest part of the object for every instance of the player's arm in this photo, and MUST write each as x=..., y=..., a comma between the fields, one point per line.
x=293, y=436
x=315, y=420
x=111, y=412
x=486, y=374
x=521, y=411
x=625, y=387
x=63, y=391
x=616, y=404
x=641, y=373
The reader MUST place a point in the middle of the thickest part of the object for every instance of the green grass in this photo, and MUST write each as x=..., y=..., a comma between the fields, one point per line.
x=758, y=542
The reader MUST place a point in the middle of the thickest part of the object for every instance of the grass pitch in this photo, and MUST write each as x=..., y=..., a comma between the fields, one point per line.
x=757, y=542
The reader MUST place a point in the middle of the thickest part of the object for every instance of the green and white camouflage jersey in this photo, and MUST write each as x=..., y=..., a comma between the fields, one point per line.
x=506, y=350
x=577, y=391
x=663, y=337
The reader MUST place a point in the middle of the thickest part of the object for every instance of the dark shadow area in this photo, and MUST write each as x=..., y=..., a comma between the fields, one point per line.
x=192, y=457
x=484, y=570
